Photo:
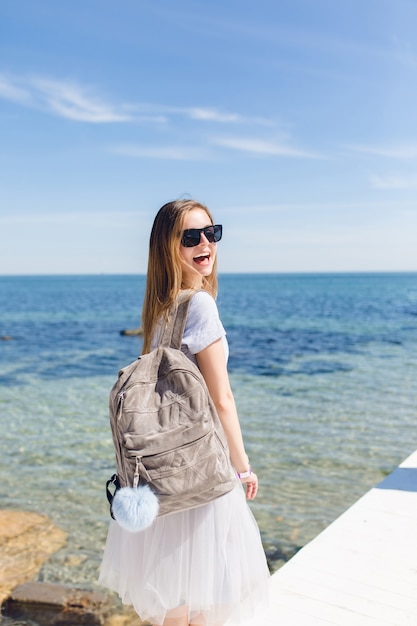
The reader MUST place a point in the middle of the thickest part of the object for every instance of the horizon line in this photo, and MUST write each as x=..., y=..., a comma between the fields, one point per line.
x=230, y=273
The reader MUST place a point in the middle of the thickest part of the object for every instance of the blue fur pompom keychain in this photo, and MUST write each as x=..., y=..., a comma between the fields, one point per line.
x=135, y=508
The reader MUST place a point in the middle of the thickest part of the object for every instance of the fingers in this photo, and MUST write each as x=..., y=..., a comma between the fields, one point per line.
x=251, y=487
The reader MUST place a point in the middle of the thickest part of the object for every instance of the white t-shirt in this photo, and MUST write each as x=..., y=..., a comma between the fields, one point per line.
x=202, y=327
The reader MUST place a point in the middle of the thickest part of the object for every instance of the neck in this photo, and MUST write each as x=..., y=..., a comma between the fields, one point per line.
x=195, y=283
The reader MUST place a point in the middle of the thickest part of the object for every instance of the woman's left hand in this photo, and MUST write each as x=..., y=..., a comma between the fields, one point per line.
x=251, y=485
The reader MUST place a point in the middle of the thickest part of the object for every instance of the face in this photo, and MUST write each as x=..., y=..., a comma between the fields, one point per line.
x=197, y=261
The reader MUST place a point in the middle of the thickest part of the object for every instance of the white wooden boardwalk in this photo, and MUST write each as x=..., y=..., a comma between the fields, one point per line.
x=361, y=570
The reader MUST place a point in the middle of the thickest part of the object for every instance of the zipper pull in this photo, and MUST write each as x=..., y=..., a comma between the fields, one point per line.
x=136, y=474
x=118, y=404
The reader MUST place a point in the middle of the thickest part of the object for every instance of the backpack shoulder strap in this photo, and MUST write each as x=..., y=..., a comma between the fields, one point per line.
x=174, y=328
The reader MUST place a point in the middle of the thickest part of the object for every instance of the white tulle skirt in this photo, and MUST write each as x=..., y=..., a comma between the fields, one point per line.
x=207, y=563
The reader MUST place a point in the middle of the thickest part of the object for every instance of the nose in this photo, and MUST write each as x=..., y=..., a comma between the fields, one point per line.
x=202, y=236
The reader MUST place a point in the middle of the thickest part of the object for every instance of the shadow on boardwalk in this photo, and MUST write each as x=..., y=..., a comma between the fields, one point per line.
x=402, y=479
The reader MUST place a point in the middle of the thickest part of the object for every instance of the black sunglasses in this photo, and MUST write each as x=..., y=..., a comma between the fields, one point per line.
x=192, y=236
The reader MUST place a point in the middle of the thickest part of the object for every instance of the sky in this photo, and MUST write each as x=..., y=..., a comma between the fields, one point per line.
x=294, y=121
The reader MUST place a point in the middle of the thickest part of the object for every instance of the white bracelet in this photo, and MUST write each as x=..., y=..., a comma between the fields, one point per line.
x=245, y=474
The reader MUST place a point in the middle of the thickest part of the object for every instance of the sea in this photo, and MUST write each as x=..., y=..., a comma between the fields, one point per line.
x=323, y=369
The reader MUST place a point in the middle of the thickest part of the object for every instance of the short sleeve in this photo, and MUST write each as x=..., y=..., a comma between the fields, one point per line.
x=203, y=325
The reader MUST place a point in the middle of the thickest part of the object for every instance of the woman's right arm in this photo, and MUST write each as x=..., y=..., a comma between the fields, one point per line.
x=212, y=364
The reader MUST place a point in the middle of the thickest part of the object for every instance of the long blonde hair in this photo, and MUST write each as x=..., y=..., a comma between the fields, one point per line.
x=165, y=277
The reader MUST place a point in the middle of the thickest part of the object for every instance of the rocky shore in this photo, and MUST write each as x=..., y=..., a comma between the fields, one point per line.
x=27, y=540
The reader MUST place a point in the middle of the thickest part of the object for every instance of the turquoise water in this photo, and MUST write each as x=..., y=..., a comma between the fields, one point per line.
x=323, y=367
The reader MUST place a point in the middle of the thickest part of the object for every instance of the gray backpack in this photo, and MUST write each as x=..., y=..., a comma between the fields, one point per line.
x=171, y=451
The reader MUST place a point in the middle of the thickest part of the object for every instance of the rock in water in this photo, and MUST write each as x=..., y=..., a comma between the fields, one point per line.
x=132, y=332
x=49, y=604
x=26, y=541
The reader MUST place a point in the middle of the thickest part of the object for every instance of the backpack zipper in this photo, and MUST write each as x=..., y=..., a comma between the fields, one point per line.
x=119, y=406
x=136, y=476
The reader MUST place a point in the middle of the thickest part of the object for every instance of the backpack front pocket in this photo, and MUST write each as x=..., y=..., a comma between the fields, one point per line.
x=187, y=470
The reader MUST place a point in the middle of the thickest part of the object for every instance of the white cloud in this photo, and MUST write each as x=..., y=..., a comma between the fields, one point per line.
x=172, y=153
x=185, y=153
x=211, y=115
x=10, y=91
x=64, y=99
x=406, y=151
x=76, y=102
x=394, y=182
x=317, y=208
x=262, y=147
x=203, y=114
x=71, y=101
x=78, y=217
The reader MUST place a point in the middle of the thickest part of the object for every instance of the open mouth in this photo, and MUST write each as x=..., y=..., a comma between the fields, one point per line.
x=202, y=260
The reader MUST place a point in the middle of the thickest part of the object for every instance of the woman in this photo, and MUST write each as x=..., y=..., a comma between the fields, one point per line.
x=206, y=565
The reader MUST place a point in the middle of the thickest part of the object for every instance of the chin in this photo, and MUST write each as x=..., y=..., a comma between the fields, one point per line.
x=204, y=272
